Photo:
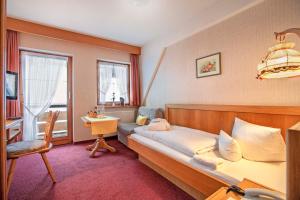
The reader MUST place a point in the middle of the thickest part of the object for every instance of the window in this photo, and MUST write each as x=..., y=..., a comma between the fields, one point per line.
x=45, y=77
x=45, y=87
x=113, y=82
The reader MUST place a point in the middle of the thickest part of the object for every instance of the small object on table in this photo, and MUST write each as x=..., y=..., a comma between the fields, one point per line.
x=100, y=127
x=122, y=101
x=236, y=189
x=92, y=114
x=99, y=116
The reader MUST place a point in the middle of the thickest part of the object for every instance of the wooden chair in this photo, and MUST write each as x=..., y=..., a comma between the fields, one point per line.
x=23, y=148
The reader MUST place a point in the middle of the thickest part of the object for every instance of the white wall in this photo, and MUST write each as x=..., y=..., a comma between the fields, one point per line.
x=152, y=50
x=84, y=74
x=242, y=40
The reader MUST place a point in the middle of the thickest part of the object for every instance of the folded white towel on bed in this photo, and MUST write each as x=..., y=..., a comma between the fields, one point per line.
x=159, y=124
x=186, y=140
x=209, y=161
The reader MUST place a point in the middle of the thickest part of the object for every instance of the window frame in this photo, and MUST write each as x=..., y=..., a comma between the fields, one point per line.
x=69, y=138
x=109, y=103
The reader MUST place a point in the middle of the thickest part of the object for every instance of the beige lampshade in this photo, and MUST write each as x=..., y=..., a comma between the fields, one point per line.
x=282, y=61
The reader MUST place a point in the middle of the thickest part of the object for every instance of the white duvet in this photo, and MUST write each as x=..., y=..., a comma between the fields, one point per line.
x=270, y=174
x=186, y=140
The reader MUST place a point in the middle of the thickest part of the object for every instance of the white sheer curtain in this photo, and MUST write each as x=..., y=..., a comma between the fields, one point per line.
x=105, y=79
x=122, y=80
x=41, y=75
x=114, y=79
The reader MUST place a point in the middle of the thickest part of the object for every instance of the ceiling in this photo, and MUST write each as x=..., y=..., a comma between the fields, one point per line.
x=130, y=21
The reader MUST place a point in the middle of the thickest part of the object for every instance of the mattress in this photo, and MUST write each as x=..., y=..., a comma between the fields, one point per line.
x=270, y=174
x=185, y=140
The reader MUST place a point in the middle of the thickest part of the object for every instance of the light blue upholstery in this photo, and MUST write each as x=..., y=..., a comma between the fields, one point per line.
x=125, y=129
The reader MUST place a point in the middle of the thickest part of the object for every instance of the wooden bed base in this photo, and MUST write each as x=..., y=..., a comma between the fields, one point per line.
x=188, y=189
x=210, y=118
x=189, y=179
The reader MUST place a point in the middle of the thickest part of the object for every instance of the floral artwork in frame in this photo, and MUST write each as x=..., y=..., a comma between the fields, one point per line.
x=208, y=66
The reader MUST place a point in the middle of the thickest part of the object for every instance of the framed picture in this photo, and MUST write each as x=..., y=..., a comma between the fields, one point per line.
x=208, y=66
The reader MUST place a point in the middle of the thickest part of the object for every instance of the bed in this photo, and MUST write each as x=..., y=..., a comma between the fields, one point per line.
x=197, y=180
x=229, y=172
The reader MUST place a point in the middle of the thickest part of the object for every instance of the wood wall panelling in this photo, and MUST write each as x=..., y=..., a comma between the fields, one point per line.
x=38, y=29
x=213, y=118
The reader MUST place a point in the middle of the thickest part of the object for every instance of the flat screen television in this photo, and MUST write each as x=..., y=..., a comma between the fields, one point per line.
x=11, y=85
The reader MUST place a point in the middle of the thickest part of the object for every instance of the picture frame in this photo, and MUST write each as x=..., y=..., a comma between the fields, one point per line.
x=209, y=65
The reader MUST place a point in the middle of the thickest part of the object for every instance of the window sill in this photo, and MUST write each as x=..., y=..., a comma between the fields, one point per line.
x=119, y=106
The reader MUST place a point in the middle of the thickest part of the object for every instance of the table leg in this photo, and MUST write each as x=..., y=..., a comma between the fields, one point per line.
x=104, y=145
x=96, y=147
x=100, y=143
x=91, y=147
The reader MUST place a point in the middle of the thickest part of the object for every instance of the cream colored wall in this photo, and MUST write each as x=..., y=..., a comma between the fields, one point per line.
x=84, y=73
x=242, y=40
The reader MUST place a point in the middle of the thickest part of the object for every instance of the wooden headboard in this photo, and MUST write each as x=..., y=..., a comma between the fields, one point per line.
x=213, y=118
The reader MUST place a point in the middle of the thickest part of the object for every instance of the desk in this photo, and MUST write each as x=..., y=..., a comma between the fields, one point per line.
x=100, y=127
x=11, y=124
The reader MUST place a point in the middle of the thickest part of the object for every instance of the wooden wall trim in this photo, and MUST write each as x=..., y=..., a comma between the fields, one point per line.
x=276, y=110
x=39, y=29
x=154, y=75
x=3, y=187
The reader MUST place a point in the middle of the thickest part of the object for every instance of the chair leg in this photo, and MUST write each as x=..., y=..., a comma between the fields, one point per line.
x=49, y=168
x=11, y=173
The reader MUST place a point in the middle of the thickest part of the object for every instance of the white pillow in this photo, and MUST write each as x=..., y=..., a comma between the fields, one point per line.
x=259, y=143
x=229, y=148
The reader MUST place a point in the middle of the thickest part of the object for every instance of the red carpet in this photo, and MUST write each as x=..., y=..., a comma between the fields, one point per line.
x=110, y=176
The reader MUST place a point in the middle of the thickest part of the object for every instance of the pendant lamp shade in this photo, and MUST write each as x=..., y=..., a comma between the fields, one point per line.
x=282, y=61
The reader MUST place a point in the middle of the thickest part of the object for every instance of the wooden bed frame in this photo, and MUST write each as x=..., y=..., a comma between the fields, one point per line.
x=210, y=118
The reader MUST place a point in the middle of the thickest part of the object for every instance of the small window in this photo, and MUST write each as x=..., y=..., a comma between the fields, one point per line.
x=113, y=82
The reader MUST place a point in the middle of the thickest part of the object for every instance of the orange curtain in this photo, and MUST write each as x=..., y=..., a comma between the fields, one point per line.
x=13, y=106
x=135, y=98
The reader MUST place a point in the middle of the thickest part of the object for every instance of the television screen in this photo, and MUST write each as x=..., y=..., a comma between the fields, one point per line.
x=11, y=85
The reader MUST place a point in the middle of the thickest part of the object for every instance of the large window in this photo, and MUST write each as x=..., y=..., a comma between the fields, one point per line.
x=45, y=78
x=113, y=82
x=45, y=87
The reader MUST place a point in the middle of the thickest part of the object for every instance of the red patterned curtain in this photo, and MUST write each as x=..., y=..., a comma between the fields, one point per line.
x=13, y=106
x=135, y=98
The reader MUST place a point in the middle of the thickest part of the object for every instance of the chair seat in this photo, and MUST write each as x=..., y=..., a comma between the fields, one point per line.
x=24, y=147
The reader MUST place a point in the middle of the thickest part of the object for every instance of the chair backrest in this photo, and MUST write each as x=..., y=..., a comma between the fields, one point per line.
x=52, y=117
